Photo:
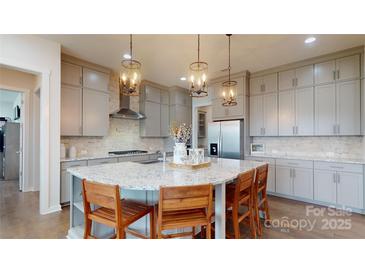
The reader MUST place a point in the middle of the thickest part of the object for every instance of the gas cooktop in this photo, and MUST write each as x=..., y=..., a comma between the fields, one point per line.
x=128, y=152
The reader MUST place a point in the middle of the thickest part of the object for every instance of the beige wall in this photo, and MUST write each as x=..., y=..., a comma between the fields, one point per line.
x=17, y=80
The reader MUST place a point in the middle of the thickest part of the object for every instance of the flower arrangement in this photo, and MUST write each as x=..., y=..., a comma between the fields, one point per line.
x=181, y=134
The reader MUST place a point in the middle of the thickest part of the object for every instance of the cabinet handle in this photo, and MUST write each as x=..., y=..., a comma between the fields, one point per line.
x=338, y=74
x=291, y=171
x=296, y=82
x=334, y=75
x=294, y=173
x=80, y=80
x=338, y=178
x=296, y=130
x=334, y=178
x=293, y=130
x=293, y=82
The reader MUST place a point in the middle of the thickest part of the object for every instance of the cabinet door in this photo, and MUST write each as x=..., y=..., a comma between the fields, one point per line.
x=325, y=110
x=71, y=111
x=165, y=97
x=286, y=79
x=152, y=123
x=348, y=107
x=271, y=178
x=350, y=189
x=304, y=76
x=324, y=186
x=324, y=72
x=303, y=183
x=256, y=85
x=256, y=115
x=348, y=68
x=284, y=180
x=235, y=111
x=304, y=111
x=270, y=82
x=286, y=113
x=71, y=74
x=65, y=188
x=270, y=108
x=93, y=79
x=153, y=94
x=95, y=115
x=218, y=111
x=165, y=121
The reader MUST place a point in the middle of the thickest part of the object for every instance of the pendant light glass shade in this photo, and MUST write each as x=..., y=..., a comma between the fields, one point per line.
x=229, y=88
x=198, y=76
x=130, y=75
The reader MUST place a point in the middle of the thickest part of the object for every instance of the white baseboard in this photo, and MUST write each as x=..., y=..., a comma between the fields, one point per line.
x=52, y=209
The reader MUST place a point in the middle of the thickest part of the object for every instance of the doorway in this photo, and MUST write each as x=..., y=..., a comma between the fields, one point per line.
x=11, y=138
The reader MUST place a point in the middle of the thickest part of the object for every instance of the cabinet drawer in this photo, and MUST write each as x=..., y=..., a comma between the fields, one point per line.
x=338, y=167
x=270, y=161
x=294, y=163
x=102, y=161
x=67, y=165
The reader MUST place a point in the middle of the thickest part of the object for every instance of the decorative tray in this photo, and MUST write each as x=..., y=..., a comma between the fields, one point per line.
x=190, y=165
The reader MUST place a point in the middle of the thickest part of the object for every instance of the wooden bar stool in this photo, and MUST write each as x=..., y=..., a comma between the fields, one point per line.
x=261, y=201
x=241, y=193
x=182, y=207
x=112, y=211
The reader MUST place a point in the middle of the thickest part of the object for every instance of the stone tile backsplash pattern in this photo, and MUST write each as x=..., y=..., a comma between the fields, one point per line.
x=338, y=147
x=123, y=134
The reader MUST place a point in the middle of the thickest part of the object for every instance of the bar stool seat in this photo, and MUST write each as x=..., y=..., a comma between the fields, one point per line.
x=181, y=219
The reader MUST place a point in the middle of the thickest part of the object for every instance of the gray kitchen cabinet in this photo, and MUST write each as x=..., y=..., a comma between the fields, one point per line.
x=84, y=101
x=154, y=104
x=96, y=80
x=341, y=69
x=180, y=106
x=264, y=115
x=71, y=110
x=337, y=108
x=264, y=84
x=296, y=78
x=151, y=126
x=271, y=172
x=64, y=182
x=296, y=112
x=339, y=184
x=71, y=74
x=165, y=120
x=95, y=113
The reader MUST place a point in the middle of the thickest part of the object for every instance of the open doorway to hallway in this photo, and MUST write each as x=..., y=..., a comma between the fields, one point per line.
x=11, y=137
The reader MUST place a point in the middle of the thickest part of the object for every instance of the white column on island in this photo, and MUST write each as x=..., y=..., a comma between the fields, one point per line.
x=220, y=211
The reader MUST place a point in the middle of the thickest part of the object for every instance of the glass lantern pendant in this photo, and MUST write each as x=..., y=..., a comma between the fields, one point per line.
x=229, y=88
x=198, y=76
x=130, y=75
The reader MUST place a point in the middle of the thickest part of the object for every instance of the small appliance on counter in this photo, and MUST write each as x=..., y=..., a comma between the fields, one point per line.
x=72, y=152
x=257, y=149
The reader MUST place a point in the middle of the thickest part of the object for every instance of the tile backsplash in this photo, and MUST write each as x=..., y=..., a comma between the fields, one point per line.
x=342, y=147
x=123, y=134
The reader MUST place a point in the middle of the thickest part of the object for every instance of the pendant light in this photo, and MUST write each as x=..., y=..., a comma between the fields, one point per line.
x=229, y=88
x=130, y=74
x=198, y=76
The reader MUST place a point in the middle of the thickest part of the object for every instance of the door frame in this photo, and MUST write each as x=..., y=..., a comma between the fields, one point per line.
x=24, y=127
x=46, y=159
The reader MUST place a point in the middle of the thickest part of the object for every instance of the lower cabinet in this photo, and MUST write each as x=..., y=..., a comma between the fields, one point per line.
x=295, y=180
x=65, y=183
x=337, y=187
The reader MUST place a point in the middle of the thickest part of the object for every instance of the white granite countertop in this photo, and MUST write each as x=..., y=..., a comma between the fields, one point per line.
x=312, y=158
x=101, y=156
x=129, y=175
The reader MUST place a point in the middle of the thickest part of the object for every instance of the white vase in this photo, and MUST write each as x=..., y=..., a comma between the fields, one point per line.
x=180, y=154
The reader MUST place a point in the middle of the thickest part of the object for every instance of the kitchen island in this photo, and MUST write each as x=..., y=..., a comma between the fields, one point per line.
x=142, y=181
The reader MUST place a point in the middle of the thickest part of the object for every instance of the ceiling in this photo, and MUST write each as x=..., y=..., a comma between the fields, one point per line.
x=8, y=96
x=166, y=58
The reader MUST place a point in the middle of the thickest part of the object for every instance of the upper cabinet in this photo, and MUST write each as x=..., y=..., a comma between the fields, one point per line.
x=264, y=84
x=180, y=106
x=341, y=69
x=296, y=78
x=154, y=104
x=71, y=74
x=84, y=101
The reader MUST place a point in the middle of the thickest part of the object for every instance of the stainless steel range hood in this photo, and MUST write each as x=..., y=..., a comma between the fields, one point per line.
x=125, y=112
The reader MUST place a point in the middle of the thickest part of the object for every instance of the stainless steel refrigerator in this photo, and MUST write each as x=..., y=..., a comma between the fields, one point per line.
x=226, y=139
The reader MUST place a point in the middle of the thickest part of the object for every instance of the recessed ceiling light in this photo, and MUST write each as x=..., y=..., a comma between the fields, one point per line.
x=127, y=56
x=310, y=40
x=183, y=78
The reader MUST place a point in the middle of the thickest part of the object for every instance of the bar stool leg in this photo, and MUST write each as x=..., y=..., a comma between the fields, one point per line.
x=209, y=231
x=152, y=224
x=87, y=231
x=257, y=215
